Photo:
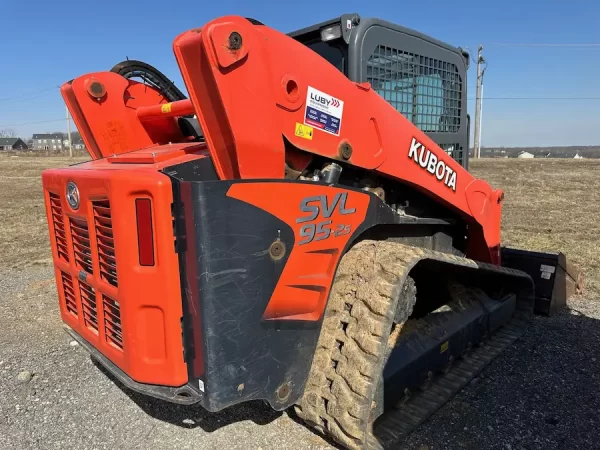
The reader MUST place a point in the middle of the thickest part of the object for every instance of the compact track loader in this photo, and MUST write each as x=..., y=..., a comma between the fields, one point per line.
x=302, y=229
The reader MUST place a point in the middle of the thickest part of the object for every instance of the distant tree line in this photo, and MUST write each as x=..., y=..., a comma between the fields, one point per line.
x=8, y=133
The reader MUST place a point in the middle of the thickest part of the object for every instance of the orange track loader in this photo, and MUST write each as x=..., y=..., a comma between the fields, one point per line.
x=284, y=234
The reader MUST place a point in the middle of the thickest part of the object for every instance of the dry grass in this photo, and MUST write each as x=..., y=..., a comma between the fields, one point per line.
x=23, y=227
x=550, y=205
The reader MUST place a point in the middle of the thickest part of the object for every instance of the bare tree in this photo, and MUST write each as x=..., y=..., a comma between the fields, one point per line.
x=8, y=133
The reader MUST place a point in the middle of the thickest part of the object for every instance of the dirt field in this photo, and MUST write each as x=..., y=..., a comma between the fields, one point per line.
x=549, y=205
x=23, y=227
x=543, y=393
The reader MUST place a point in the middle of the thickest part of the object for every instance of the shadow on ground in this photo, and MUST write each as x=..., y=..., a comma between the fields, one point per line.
x=192, y=416
x=542, y=392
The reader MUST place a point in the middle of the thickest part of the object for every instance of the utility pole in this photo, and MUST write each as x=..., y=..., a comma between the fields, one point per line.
x=478, y=99
x=69, y=131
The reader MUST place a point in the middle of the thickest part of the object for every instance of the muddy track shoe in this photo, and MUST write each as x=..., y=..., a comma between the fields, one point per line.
x=396, y=330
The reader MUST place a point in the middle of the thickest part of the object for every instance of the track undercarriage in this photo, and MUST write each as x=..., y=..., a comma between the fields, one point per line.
x=390, y=353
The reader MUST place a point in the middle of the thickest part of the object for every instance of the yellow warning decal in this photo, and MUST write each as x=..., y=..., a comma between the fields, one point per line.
x=444, y=347
x=304, y=131
x=166, y=108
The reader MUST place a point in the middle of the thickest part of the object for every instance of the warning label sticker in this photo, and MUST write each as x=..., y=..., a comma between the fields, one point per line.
x=545, y=268
x=323, y=111
x=304, y=131
x=546, y=271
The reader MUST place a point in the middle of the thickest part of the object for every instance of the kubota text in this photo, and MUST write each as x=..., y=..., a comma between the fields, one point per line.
x=430, y=162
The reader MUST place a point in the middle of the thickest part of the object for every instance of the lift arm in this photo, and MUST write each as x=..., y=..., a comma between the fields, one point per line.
x=257, y=93
x=255, y=88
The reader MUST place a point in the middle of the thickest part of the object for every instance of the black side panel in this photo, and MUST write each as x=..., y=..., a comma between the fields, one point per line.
x=234, y=277
x=228, y=278
x=201, y=169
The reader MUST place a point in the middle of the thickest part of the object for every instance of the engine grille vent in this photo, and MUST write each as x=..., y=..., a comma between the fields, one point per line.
x=69, y=293
x=105, y=241
x=112, y=322
x=88, y=306
x=80, y=237
x=59, y=227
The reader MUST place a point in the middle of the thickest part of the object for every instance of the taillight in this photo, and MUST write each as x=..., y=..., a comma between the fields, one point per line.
x=143, y=208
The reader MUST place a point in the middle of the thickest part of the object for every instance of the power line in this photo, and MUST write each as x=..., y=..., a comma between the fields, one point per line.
x=538, y=98
x=31, y=123
x=28, y=95
x=26, y=99
x=507, y=44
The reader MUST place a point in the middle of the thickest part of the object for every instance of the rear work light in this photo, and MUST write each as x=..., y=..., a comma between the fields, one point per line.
x=331, y=33
x=143, y=209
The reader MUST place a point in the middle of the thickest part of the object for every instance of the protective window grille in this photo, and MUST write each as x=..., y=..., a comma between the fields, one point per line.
x=454, y=150
x=427, y=91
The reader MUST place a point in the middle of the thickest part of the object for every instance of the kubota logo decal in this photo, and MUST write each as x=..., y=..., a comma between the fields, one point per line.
x=427, y=160
x=320, y=206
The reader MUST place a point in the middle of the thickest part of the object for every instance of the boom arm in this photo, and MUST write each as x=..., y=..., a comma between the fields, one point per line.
x=253, y=87
x=259, y=93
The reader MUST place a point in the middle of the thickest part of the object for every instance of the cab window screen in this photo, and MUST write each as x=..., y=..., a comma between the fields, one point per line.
x=425, y=90
x=335, y=54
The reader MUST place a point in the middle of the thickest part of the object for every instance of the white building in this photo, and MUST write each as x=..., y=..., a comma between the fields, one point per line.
x=525, y=155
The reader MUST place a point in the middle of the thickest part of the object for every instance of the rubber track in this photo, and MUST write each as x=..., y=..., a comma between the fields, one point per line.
x=353, y=347
x=396, y=425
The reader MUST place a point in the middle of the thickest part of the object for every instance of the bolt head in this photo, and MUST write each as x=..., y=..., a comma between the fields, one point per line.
x=283, y=391
x=277, y=250
x=345, y=150
x=95, y=89
x=235, y=41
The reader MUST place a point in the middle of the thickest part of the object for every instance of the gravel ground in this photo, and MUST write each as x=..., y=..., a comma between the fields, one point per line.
x=543, y=393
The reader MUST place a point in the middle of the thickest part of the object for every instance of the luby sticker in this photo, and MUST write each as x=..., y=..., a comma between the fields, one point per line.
x=323, y=111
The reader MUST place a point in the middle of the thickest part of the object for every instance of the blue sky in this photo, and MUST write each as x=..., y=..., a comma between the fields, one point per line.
x=47, y=43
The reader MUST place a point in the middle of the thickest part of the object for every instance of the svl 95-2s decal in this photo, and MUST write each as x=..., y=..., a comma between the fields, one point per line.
x=320, y=207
